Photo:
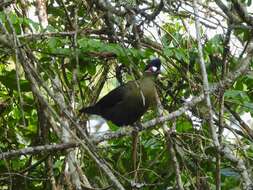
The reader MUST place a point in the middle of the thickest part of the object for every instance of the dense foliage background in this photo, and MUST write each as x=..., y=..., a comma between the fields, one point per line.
x=57, y=56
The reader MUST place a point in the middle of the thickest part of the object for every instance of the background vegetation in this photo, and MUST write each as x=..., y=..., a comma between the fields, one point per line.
x=57, y=56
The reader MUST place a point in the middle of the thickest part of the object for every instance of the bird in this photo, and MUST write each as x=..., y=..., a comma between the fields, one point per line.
x=126, y=104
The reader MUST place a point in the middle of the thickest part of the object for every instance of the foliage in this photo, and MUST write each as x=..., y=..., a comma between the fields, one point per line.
x=79, y=51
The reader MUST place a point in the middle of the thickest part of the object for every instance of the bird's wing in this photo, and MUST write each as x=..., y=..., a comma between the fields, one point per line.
x=113, y=97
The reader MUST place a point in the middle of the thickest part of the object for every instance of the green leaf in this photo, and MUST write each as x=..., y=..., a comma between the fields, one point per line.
x=91, y=68
x=112, y=126
x=8, y=79
x=183, y=126
x=229, y=172
x=236, y=94
x=35, y=25
x=14, y=19
x=249, y=2
x=53, y=43
x=248, y=106
x=242, y=33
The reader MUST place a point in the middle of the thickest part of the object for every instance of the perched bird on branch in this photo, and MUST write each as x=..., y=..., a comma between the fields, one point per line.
x=127, y=103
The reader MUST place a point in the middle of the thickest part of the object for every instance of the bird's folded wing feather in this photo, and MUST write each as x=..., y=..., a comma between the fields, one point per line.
x=113, y=97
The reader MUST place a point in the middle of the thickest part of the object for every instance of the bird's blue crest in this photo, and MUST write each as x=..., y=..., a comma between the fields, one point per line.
x=154, y=63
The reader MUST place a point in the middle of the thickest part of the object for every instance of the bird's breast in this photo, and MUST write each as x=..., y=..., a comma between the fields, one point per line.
x=149, y=90
x=143, y=93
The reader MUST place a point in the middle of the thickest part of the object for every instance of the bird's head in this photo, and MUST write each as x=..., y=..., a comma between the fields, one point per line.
x=153, y=67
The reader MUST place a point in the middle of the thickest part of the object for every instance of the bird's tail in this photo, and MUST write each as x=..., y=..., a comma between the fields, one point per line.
x=89, y=110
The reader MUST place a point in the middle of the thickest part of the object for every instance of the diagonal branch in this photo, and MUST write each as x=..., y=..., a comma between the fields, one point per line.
x=205, y=80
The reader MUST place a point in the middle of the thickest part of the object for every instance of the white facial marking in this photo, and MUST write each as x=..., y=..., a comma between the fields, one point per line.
x=154, y=69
